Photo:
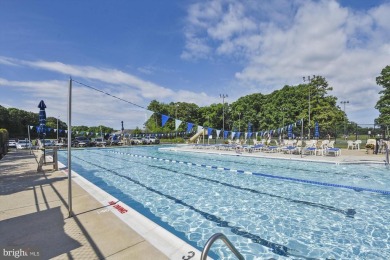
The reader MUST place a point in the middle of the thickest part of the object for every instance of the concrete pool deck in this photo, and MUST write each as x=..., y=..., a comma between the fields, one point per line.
x=34, y=212
x=34, y=216
x=346, y=157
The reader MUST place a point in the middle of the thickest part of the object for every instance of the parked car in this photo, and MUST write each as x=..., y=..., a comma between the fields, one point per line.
x=99, y=142
x=47, y=143
x=136, y=140
x=23, y=144
x=81, y=141
x=146, y=140
x=151, y=140
x=154, y=140
x=12, y=143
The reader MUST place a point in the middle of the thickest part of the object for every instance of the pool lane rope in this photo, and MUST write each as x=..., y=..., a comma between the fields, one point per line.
x=276, y=248
x=348, y=212
x=384, y=192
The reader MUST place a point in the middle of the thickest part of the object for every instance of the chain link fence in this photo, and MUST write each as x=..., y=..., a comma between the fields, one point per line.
x=360, y=131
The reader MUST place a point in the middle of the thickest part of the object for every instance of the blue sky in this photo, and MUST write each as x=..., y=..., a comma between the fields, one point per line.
x=189, y=51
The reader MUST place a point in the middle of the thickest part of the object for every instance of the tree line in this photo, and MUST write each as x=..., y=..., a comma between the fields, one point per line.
x=261, y=111
x=272, y=111
x=16, y=121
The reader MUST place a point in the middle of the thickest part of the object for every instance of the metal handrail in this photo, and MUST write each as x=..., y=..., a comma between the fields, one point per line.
x=215, y=237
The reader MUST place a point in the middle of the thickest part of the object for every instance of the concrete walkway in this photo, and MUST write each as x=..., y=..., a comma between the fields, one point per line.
x=34, y=217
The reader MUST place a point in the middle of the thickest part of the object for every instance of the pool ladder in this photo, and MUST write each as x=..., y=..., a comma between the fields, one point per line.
x=214, y=238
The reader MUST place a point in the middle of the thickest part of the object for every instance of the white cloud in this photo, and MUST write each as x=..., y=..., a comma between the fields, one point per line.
x=347, y=47
x=144, y=88
x=88, y=107
x=92, y=107
x=134, y=88
x=234, y=22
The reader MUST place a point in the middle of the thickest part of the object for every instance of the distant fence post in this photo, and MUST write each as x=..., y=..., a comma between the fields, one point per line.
x=55, y=158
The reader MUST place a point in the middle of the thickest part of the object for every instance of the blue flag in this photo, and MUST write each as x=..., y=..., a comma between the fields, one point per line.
x=189, y=127
x=164, y=119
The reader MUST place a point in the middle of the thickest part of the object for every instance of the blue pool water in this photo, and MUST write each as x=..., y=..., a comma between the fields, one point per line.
x=268, y=208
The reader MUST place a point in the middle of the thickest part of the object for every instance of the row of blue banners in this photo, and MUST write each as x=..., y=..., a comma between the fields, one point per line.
x=210, y=130
x=234, y=134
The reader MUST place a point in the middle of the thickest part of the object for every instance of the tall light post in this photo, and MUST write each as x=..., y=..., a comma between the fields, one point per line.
x=223, y=96
x=208, y=125
x=57, y=129
x=283, y=109
x=308, y=79
x=239, y=121
x=177, y=105
x=344, y=102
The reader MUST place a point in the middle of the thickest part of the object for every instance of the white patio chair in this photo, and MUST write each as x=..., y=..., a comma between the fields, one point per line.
x=350, y=145
x=357, y=144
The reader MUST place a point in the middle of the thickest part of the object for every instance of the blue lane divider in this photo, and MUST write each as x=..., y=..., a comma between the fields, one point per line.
x=385, y=192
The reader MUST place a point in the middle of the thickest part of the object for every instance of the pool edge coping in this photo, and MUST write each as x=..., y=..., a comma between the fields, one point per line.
x=166, y=242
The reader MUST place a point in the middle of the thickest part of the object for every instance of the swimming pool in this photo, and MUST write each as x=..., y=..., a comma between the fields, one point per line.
x=268, y=208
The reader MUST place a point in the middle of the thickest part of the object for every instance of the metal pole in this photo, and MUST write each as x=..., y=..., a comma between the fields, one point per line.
x=29, y=139
x=223, y=114
x=345, y=131
x=356, y=132
x=44, y=148
x=282, y=131
x=175, y=120
x=208, y=125
x=203, y=134
x=302, y=139
x=345, y=115
x=309, y=84
x=223, y=96
x=309, y=107
x=239, y=122
x=69, y=149
x=57, y=129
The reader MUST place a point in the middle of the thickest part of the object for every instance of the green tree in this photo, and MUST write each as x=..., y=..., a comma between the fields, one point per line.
x=18, y=122
x=4, y=117
x=186, y=112
x=137, y=131
x=247, y=109
x=383, y=104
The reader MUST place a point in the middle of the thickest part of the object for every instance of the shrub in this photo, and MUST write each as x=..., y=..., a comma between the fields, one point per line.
x=3, y=142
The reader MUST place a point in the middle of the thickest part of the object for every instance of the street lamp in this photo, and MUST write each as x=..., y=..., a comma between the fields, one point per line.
x=223, y=96
x=345, y=102
x=283, y=109
x=57, y=129
x=309, y=80
x=239, y=121
x=208, y=124
x=177, y=105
